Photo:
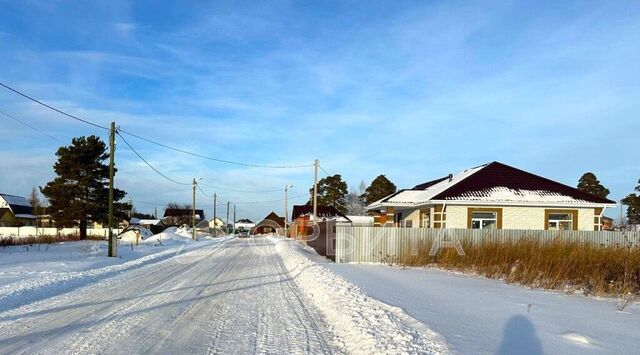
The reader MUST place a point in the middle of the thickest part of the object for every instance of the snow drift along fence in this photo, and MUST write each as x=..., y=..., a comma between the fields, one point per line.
x=379, y=244
x=32, y=231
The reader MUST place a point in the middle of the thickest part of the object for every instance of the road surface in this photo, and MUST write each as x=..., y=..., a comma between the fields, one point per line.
x=234, y=297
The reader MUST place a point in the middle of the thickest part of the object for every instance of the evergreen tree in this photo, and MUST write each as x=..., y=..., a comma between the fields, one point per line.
x=589, y=183
x=380, y=187
x=331, y=192
x=632, y=201
x=80, y=192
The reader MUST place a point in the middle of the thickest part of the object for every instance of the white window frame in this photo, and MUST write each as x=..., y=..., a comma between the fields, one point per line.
x=481, y=220
x=559, y=221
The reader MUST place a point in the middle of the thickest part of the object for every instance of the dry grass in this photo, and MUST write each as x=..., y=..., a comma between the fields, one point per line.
x=41, y=239
x=556, y=265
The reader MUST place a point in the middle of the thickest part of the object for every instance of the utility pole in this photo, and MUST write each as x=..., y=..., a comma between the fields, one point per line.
x=215, y=206
x=193, y=216
x=315, y=188
x=155, y=212
x=113, y=246
x=234, y=218
x=286, y=208
x=227, y=226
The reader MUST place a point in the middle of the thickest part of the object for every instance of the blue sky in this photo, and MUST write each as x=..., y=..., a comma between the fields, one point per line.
x=413, y=90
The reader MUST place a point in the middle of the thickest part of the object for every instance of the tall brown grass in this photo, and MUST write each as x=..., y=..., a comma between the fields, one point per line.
x=6, y=241
x=557, y=265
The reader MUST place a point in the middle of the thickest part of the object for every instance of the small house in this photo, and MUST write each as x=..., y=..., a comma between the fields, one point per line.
x=269, y=225
x=16, y=211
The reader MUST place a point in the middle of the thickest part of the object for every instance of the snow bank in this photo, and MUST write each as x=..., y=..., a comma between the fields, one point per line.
x=136, y=234
x=366, y=325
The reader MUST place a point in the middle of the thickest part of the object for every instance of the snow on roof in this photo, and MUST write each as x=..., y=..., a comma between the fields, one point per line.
x=26, y=216
x=493, y=182
x=361, y=219
x=15, y=200
x=505, y=194
x=417, y=196
x=149, y=221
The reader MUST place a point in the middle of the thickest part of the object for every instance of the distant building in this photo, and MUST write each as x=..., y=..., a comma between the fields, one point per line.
x=323, y=213
x=269, y=225
x=216, y=223
x=180, y=216
x=15, y=211
x=245, y=224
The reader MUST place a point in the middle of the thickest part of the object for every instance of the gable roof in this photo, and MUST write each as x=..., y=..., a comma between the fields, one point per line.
x=180, y=212
x=18, y=205
x=491, y=183
x=272, y=217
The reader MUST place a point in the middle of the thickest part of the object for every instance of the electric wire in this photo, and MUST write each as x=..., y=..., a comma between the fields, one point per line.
x=152, y=141
x=52, y=108
x=146, y=162
x=30, y=126
x=236, y=190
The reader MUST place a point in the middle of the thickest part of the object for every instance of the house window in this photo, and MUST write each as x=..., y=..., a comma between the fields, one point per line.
x=561, y=220
x=398, y=219
x=484, y=220
x=424, y=219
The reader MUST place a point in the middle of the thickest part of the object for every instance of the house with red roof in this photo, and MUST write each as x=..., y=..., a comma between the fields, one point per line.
x=492, y=196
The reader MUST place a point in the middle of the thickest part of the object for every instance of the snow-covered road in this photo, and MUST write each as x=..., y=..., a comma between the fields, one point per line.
x=234, y=297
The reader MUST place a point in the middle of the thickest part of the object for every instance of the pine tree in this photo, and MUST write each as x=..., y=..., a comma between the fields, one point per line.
x=380, y=187
x=632, y=201
x=589, y=183
x=331, y=192
x=80, y=192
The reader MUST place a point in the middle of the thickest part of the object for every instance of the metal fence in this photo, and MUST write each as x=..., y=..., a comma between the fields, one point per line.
x=379, y=244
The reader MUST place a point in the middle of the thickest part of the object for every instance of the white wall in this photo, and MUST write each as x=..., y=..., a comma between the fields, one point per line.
x=31, y=231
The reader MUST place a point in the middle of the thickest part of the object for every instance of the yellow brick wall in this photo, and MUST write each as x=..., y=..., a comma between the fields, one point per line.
x=517, y=217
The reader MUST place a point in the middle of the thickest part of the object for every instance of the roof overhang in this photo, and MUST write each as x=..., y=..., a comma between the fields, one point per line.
x=522, y=203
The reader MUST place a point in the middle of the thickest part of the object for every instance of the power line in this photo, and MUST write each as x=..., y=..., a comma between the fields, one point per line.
x=146, y=162
x=30, y=126
x=258, y=202
x=52, y=108
x=152, y=141
x=235, y=190
x=321, y=168
x=216, y=159
x=204, y=193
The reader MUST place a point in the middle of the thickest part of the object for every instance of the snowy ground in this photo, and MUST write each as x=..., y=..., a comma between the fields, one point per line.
x=222, y=295
x=482, y=316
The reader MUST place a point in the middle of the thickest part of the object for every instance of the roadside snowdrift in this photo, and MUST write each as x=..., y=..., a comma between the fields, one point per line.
x=367, y=326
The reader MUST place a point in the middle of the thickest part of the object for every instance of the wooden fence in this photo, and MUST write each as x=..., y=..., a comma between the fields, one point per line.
x=378, y=244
